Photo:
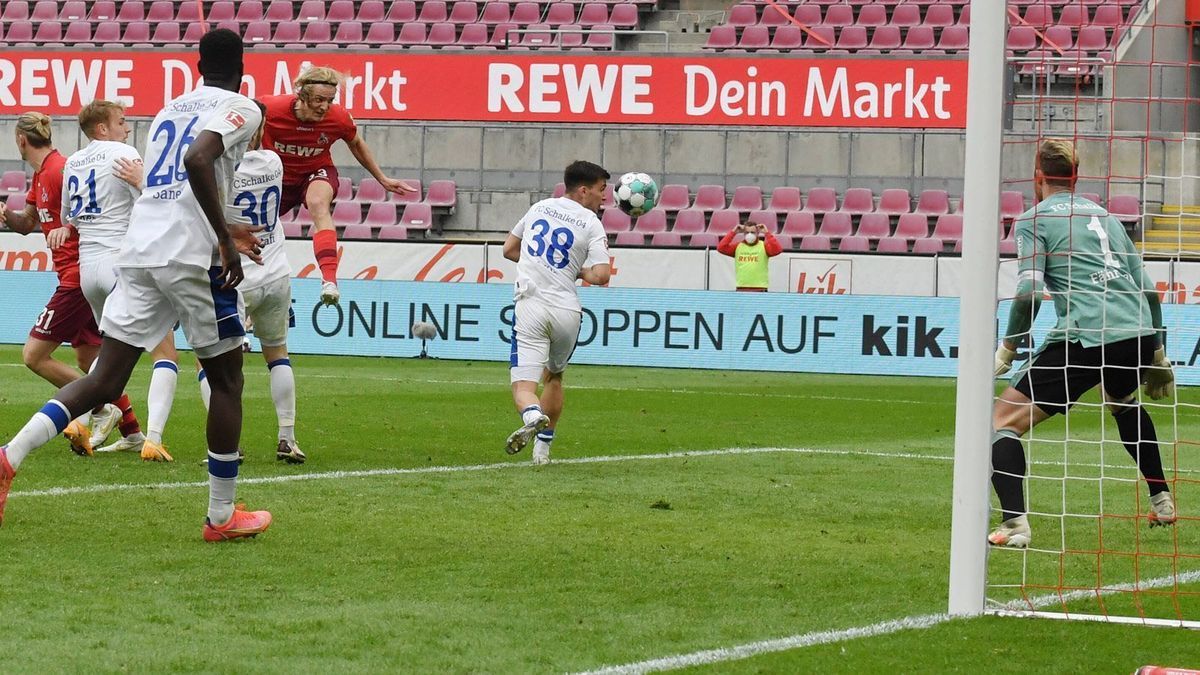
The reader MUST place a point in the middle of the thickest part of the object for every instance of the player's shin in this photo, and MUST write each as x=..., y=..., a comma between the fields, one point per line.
x=283, y=394
x=39, y=430
x=1008, y=472
x=222, y=486
x=1141, y=442
x=163, y=380
x=325, y=251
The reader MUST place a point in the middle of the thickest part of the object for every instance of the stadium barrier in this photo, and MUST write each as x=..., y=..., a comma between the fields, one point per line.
x=784, y=332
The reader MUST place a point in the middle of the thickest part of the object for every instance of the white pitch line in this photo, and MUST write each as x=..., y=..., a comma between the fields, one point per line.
x=713, y=656
x=463, y=468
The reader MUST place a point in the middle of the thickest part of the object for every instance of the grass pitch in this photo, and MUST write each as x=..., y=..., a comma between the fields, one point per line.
x=471, y=561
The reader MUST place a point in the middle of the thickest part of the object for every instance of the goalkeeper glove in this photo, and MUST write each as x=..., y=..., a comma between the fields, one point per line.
x=1159, y=376
x=1004, y=359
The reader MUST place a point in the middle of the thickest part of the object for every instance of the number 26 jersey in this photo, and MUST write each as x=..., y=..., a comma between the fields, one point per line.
x=559, y=237
x=167, y=223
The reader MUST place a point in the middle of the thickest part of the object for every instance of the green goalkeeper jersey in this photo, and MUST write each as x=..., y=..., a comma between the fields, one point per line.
x=1086, y=262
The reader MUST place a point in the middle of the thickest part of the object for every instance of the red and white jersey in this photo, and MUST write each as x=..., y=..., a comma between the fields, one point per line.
x=303, y=146
x=167, y=223
x=45, y=193
x=257, y=187
x=95, y=200
x=559, y=237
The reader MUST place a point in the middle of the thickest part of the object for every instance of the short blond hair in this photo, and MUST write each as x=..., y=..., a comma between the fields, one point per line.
x=35, y=127
x=1058, y=161
x=316, y=75
x=95, y=113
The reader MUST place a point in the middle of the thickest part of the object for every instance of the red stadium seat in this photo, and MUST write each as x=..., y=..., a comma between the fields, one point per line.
x=161, y=10
x=1038, y=16
x=674, y=197
x=473, y=35
x=892, y=245
x=1074, y=15
x=317, y=32
x=918, y=38
x=764, y=217
x=356, y=231
x=249, y=10
x=406, y=197
x=292, y=229
x=949, y=227
x=1108, y=16
x=138, y=32
x=411, y=34
x=12, y=181
x=105, y=10
x=525, y=13
x=443, y=194
x=858, y=201
x=495, y=13
x=785, y=199
x=466, y=11
x=615, y=220
x=393, y=233
x=930, y=246
x=44, y=10
x=417, y=216
x=1021, y=39
x=381, y=214
x=906, y=16
x=630, y=239
x=723, y=221
x=74, y=11
x=78, y=32
x=649, y=222
x=689, y=221
x=15, y=10
x=874, y=226
x=402, y=11
x=821, y=200
x=279, y=10
x=939, y=16
x=742, y=15
x=787, y=38
x=852, y=37
x=895, y=201
x=626, y=16
x=369, y=190
x=432, y=11
x=885, y=38
x=774, y=17
x=872, y=16
x=709, y=198
x=369, y=11
x=704, y=240
x=1012, y=204
x=912, y=226
x=836, y=225
x=381, y=33
x=1125, y=208
x=343, y=10
x=442, y=34
x=1092, y=39
x=286, y=31
x=721, y=37
x=953, y=38
x=808, y=15
x=541, y=38
x=854, y=244
x=48, y=31
x=131, y=10
x=746, y=198
x=933, y=203
x=815, y=243
x=349, y=33
x=345, y=189
x=1008, y=247
x=819, y=38
x=785, y=241
x=666, y=239
x=1062, y=37
x=560, y=14
x=839, y=16
x=347, y=213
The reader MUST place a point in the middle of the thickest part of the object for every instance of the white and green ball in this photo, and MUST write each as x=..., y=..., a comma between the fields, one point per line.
x=636, y=193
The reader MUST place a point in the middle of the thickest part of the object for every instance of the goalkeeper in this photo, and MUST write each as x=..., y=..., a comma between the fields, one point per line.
x=1109, y=332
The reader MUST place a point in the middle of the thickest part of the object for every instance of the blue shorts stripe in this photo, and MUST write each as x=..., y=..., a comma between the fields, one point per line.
x=279, y=362
x=225, y=304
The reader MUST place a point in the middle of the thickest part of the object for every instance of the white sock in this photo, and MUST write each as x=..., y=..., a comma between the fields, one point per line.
x=283, y=393
x=163, y=379
x=205, y=389
x=222, y=486
x=541, y=446
x=43, y=426
x=530, y=414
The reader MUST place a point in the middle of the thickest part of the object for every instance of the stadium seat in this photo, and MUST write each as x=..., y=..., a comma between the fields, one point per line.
x=393, y=233
x=906, y=15
x=12, y=181
x=349, y=33
x=432, y=11
x=1008, y=247
x=381, y=214
x=139, y=32
x=341, y=10
x=1021, y=39
x=806, y=14
x=929, y=246
x=1108, y=16
x=44, y=10
x=777, y=16
x=855, y=244
x=626, y=16
x=723, y=221
x=704, y=240
x=785, y=242
x=1059, y=37
x=874, y=226
x=892, y=245
x=303, y=218
x=603, y=38
x=885, y=38
x=410, y=34
x=709, y=197
x=317, y=32
x=912, y=226
x=249, y=10
x=721, y=37
x=105, y=10
x=1038, y=16
x=285, y=31
x=48, y=31
x=1092, y=39
x=872, y=16
x=746, y=198
x=689, y=221
x=852, y=38
x=1093, y=197
x=651, y=222
x=1125, y=208
x=799, y=224
x=402, y=11
x=836, y=225
x=495, y=13
x=443, y=194
x=1074, y=16
x=894, y=202
x=764, y=217
x=839, y=16
x=939, y=16
x=949, y=227
x=857, y=201
x=160, y=10
x=561, y=14
x=666, y=239
x=473, y=35
x=107, y=33
x=369, y=11
x=369, y=190
x=821, y=200
x=292, y=229
x=539, y=36
x=524, y=13
x=918, y=38
x=674, y=197
x=383, y=33
x=279, y=10
x=15, y=10
x=356, y=231
x=933, y=203
x=1012, y=204
x=465, y=12
x=630, y=239
x=74, y=10
x=615, y=220
x=953, y=39
x=347, y=213
x=815, y=242
x=742, y=15
x=785, y=199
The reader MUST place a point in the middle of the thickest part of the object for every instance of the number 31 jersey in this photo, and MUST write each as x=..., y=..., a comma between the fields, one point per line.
x=95, y=201
x=167, y=223
x=559, y=237
x=255, y=202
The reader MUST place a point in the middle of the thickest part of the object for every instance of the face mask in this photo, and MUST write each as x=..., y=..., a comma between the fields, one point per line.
x=751, y=238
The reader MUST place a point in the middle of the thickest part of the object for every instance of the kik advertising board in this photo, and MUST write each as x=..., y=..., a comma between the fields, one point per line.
x=792, y=332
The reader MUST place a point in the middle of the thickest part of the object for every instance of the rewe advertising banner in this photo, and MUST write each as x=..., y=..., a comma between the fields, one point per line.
x=702, y=89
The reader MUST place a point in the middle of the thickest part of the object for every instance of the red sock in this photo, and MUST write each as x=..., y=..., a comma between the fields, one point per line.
x=325, y=251
x=129, y=422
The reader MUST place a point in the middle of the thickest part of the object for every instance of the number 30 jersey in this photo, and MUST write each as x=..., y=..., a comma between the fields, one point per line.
x=559, y=237
x=255, y=202
x=167, y=223
x=95, y=201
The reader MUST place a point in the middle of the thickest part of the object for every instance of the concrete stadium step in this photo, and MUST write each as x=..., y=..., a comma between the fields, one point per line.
x=1190, y=209
x=1168, y=222
x=1172, y=236
x=1186, y=249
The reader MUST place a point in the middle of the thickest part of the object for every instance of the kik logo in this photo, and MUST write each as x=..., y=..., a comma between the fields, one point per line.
x=903, y=339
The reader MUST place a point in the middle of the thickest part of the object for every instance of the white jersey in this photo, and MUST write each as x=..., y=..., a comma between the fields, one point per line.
x=559, y=237
x=167, y=223
x=96, y=202
x=257, y=187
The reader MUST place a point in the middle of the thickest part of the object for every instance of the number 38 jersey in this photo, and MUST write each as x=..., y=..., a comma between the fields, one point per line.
x=559, y=237
x=167, y=223
x=95, y=201
x=255, y=202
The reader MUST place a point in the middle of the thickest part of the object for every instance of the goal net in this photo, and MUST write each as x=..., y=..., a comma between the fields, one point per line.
x=1115, y=77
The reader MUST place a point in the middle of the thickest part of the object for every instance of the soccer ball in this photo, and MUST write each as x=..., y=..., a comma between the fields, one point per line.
x=636, y=193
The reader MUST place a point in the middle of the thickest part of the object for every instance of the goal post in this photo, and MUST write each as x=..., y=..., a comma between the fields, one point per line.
x=977, y=308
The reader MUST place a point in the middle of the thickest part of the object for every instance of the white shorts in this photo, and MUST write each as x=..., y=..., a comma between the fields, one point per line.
x=543, y=338
x=270, y=310
x=98, y=278
x=148, y=301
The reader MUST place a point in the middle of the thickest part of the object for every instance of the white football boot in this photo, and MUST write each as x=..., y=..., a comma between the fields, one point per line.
x=104, y=423
x=1162, y=510
x=130, y=443
x=330, y=295
x=541, y=453
x=1013, y=533
x=521, y=437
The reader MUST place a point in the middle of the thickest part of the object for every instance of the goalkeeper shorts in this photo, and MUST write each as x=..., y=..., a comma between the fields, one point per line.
x=1063, y=371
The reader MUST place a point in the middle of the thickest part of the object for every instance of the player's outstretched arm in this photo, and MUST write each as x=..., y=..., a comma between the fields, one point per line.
x=512, y=248
x=202, y=177
x=21, y=223
x=362, y=153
